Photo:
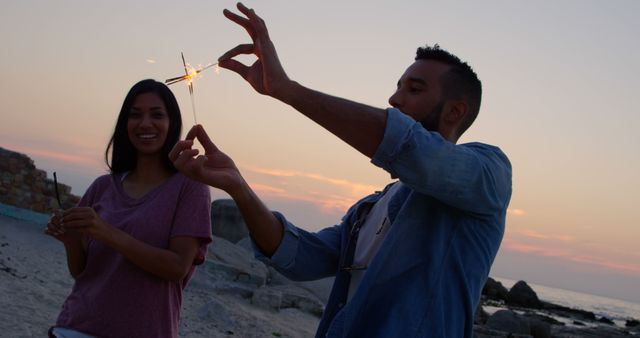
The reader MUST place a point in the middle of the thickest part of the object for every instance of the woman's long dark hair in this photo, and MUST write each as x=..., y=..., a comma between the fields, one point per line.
x=123, y=154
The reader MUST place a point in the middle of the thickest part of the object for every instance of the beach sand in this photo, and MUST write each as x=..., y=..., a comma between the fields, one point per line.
x=33, y=279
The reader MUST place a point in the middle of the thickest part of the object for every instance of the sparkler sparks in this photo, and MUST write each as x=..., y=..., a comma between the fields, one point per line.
x=190, y=74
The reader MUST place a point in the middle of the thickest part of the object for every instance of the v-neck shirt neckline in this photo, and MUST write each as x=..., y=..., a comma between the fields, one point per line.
x=119, y=182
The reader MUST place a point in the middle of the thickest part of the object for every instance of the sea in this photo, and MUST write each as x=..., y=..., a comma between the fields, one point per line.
x=619, y=311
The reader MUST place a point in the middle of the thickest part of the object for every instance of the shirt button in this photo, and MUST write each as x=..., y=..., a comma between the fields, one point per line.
x=340, y=305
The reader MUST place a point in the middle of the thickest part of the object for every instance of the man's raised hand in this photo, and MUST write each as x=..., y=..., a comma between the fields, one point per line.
x=266, y=74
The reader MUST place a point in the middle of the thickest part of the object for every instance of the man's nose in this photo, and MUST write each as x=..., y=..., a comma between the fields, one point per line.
x=395, y=100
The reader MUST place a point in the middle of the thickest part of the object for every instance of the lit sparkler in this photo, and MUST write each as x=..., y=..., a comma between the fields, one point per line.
x=189, y=75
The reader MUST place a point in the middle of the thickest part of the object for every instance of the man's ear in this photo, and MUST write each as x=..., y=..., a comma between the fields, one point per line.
x=455, y=112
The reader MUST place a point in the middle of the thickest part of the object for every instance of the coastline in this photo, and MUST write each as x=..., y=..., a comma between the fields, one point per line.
x=617, y=310
x=519, y=310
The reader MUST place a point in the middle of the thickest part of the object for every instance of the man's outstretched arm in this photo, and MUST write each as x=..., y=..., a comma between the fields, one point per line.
x=359, y=125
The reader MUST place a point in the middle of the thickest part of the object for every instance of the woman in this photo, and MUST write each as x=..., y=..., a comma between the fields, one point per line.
x=134, y=239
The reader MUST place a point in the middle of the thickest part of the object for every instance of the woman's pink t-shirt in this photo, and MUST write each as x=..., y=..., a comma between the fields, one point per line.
x=113, y=297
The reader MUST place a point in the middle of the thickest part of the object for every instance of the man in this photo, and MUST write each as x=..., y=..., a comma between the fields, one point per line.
x=409, y=261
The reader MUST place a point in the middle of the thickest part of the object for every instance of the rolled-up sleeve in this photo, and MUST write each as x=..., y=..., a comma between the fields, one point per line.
x=285, y=254
x=396, y=131
x=475, y=177
x=304, y=255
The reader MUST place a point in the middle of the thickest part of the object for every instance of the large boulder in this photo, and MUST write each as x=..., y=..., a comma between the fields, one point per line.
x=606, y=320
x=521, y=294
x=539, y=328
x=229, y=262
x=494, y=290
x=508, y=321
x=632, y=323
x=320, y=288
x=226, y=221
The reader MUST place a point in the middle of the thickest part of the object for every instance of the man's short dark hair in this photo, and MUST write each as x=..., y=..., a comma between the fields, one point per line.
x=460, y=82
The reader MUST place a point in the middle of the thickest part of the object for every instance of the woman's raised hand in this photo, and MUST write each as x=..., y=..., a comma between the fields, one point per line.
x=214, y=168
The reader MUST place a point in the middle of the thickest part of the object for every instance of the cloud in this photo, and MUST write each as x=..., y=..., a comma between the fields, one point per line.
x=151, y=60
x=516, y=212
x=616, y=266
x=356, y=189
x=541, y=250
x=328, y=203
x=537, y=235
x=331, y=195
x=267, y=189
x=86, y=161
x=553, y=250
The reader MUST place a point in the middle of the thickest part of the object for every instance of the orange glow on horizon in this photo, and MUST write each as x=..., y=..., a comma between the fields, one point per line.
x=54, y=155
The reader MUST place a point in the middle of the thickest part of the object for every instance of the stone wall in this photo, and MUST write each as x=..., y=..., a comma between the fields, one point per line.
x=27, y=187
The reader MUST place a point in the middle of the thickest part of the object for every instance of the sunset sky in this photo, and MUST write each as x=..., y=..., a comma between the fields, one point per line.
x=560, y=82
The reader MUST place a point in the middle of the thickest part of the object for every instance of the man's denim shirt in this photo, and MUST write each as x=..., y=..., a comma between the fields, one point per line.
x=447, y=224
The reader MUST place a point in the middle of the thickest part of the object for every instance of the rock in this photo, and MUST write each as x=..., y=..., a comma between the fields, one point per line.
x=226, y=261
x=24, y=186
x=494, y=290
x=567, y=312
x=226, y=221
x=588, y=332
x=320, y=288
x=632, y=323
x=267, y=298
x=245, y=243
x=539, y=328
x=299, y=298
x=212, y=309
x=484, y=332
x=521, y=294
x=508, y=321
x=480, y=317
x=543, y=318
x=606, y=320
x=231, y=288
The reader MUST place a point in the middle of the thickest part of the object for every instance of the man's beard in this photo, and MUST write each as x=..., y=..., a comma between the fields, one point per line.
x=432, y=121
